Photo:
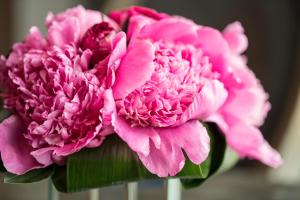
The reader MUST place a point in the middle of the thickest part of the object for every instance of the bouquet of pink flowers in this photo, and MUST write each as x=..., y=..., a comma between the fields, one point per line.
x=133, y=95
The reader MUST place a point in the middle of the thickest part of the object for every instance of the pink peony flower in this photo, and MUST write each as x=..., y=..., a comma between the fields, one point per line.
x=59, y=87
x=171, y=87
x=247, y=104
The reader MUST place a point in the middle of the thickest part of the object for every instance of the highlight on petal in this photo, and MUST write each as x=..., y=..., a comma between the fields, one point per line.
x=235, y=37
x=211, y=97
x=248, y=141
x=136, y=68
x=15, y=149
x=168, y=159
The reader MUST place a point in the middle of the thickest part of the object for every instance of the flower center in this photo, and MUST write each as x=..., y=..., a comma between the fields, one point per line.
x=176, y=80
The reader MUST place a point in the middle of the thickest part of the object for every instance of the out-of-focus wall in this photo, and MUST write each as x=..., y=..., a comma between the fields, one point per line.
x=5, y=25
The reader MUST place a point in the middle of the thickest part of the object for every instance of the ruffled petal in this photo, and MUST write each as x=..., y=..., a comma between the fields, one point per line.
x=169, y=159
x=15, y=151
x=248, y=141
x=136, y=68
x=209, y=100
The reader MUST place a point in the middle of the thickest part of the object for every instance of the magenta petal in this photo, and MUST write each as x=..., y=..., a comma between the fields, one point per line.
x=14, y=148
x=248, y=141
x=171, y=29
x=168, y=158
x=136, y=68
x=211, y=97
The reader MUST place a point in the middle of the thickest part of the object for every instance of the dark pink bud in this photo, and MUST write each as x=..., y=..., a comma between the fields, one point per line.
x=98, y=40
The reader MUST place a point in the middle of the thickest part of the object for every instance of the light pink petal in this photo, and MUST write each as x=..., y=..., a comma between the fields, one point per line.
x=15, y=149
x=211, y=97
x=192, y=137
x=137, y=23
x=214, y=45
x=119, y=49
x=66, y=32
x=137, y=138
x=44, y=155
x=173, y=29
x=118, y=52
x=108, y=108
x=136, y=68
x=248, y=105
x=168, y=158
x=234, y=35
x=165, y=161
x=248, y=141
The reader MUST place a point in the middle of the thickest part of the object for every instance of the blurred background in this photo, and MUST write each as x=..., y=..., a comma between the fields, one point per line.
x=273, y=30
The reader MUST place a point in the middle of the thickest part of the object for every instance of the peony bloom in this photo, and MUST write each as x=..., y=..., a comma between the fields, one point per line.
x=171, y=87
x=59, y=88
x=247, y=104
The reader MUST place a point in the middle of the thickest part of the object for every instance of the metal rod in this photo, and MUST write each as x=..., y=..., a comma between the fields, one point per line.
x=132, y=191
x=52, y=192
x=94, y=194
x=174, y=189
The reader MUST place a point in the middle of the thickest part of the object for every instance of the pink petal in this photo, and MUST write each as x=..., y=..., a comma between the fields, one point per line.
x=44, y=155
x=168, y=158
x=248, y=141
x=65, y=32
x=234, y=35
x=211, y=97
x=164, y=161
x=136, y=68
x=118, y=52
x=14, y=148
x=136, y=24
x=137, y=138
x=119, y=48
x=249, y=105
x=171, y=29
x=214, y=45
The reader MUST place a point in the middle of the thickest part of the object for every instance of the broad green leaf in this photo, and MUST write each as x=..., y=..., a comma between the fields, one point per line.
x=29, y=177
x=112, y=163
x=218, y=147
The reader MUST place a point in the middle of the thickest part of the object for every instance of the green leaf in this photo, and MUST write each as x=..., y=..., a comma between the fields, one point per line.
x=112, y=163
x=29, y=177
x=218, y=147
